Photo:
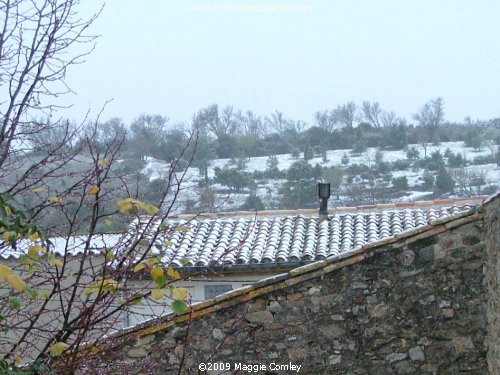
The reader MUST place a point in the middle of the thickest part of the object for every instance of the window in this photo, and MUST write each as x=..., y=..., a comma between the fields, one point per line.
x=212, y=291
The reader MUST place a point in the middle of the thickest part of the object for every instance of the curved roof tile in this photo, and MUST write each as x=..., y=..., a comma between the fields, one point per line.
x=293, y=238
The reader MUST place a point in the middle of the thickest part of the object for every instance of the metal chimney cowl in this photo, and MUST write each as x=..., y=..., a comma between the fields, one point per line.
x=323, y=192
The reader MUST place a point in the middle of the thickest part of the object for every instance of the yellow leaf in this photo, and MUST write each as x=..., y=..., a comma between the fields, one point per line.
x=56, y=262
x=126, y=205
x=16, y=282
x=18, y=359
x=157, y=293
x=28, y=262
x=156, y=272
x=37, y=190
x=8, y=234
x=154, y=260
x=94, y=350
x=91, y=290
x=106, y=285
x=150, y=209
x=5, y=271
x=173, y=274
x=93, y=190
x=110, y=285
x=57, y=349
x=45, y=293
x=108, y=222
x=139, y=267
x=182, y=228
x=103, y=162
x=179, y=293
x=33, y=236
x=55, y=199
x=33, y=250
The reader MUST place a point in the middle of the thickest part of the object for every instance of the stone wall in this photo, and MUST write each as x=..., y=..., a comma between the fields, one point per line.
x=492, y=282
x=417, y=305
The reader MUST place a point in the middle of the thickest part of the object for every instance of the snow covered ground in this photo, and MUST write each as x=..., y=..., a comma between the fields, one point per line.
x=268, y=191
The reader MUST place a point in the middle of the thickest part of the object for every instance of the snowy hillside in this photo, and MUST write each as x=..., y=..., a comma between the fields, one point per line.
x=268, y=190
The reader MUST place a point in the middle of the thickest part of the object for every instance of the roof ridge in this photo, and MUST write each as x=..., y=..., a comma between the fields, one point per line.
x=333, y=210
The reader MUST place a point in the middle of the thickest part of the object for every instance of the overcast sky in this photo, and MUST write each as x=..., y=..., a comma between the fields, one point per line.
x=156, y=56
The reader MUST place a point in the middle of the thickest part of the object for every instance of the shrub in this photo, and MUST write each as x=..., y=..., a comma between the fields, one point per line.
x=396, y=136
x=299, y=194
x=233, y=178
x=130, y=165
x=413, y=154
x=345, y=159
x=253, y=203
x=359, y=146
x=435, y=162
x=428, y=179
x=400, y=165
x=473, y=138
x=456, y=160
x=486, y=159
x=400, y=183
x=383, y=167
x=444, y=181
x=299, y=170
x=272, y=170
x=308, y=153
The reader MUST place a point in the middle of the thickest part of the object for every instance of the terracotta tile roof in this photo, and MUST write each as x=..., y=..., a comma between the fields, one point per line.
x=258, y=240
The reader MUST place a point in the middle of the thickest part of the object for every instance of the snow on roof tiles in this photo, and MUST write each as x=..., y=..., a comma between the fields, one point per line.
x=60, y=245
x=227, y=241
x=249, y=240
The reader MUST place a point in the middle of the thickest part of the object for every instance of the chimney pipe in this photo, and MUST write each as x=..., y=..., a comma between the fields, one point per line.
x=323, y=191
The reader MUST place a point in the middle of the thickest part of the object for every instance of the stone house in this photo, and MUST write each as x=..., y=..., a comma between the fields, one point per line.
x=424, y=300
x=218, y=253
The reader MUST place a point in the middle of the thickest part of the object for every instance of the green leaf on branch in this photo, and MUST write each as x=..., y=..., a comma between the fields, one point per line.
x=180, y=307
x=150, y=209
x=161, y=281
x=30, y=292
x=15, y=302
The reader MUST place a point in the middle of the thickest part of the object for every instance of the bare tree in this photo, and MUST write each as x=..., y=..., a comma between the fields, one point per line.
x=430, y=116
x=277, y=122
x=469, y=182
x=326, y=120
x=252, y=125
x=372, y=114
x=390, y=118
x=36, y=42
x=346, y=114
x=219, y=124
